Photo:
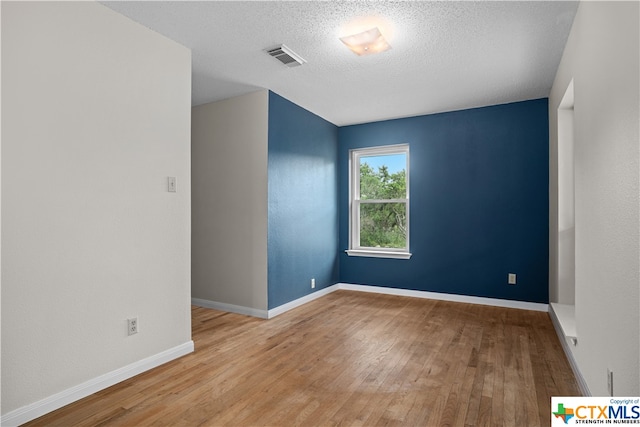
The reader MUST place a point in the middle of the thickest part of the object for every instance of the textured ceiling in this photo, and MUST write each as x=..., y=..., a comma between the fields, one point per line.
x=445, y=55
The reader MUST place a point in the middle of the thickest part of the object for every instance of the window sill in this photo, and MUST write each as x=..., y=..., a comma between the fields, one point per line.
x=378, y=254
x=566, y=316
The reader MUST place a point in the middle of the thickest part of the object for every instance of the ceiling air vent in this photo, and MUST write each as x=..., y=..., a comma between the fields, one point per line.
x=286, y=56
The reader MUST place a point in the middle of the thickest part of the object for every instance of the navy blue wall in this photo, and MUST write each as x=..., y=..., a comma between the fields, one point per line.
x=479, y=202
x=303, y=202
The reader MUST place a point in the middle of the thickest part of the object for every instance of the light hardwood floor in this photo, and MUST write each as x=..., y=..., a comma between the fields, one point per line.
x=349, y=358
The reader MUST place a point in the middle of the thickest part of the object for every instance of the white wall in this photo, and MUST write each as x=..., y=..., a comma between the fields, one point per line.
x=229, y=174
x=566, y=202
x=602, y=57
x=96, y=116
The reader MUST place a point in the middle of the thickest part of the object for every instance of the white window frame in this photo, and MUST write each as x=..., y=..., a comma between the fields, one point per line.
x=354, y=203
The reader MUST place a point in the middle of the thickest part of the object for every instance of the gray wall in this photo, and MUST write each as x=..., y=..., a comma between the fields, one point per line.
x=95, y=117
x=229, y=173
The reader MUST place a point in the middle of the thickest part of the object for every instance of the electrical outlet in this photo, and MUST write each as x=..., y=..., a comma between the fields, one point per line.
x=610, y=381
x=512, y=279
x=313, y=283
x=132, y=326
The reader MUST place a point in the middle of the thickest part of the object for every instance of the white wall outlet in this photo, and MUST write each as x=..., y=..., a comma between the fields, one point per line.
x=132, y=326
x=171, y=184
x=610, y=381
x=313, y=283
x=512, y=279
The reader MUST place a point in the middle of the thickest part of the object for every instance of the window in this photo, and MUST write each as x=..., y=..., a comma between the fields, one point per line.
x=379, y=202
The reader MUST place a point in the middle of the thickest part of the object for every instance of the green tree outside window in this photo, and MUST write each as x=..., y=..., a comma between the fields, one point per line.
x=383, y=224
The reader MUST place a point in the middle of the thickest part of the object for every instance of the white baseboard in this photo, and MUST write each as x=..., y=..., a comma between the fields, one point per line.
x=269, y=314
x=582, y=384
x=300, y=301
x=65, y=397
x=231, y=308
x=522, y=305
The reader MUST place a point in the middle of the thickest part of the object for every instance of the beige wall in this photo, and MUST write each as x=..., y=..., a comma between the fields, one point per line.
x=601, y=57
x=95, y=117
x=229, y=174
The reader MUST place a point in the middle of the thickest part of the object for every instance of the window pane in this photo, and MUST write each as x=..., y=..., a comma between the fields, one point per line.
x=383, y=225
x=383, y=177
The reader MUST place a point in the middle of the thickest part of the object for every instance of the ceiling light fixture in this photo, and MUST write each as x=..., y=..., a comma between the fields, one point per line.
x=366, y=42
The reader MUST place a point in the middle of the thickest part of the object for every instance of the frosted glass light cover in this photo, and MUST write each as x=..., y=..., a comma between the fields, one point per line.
x=366, y=42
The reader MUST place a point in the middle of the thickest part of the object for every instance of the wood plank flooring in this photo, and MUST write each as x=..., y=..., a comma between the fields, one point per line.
x=349, y=359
